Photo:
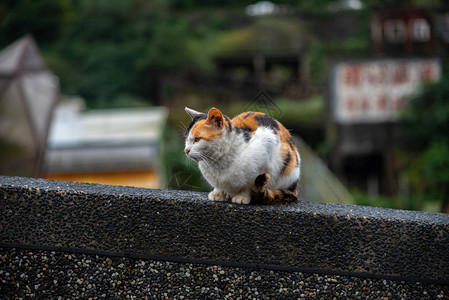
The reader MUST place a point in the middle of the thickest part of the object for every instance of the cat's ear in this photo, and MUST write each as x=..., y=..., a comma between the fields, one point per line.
x=193, y=113
x=214, y=117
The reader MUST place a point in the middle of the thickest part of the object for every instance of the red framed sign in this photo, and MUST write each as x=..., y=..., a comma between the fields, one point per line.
x=375, y=91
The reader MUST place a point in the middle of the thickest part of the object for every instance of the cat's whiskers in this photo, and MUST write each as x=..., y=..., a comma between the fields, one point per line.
x=182, y=128
x=190, y=164
x=204, y=158
x=211, y=161
x=218, y=163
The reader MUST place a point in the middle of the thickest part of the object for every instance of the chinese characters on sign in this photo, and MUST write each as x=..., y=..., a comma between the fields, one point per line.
x=376, y=91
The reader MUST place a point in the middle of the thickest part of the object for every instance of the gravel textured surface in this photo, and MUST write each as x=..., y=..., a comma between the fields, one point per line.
x=339, y=238
x=26, y=274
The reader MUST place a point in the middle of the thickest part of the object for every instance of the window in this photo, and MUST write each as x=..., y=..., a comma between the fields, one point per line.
x=420, y=30
x=395, y=31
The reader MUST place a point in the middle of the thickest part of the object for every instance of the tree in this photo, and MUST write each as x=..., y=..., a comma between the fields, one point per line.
x=111, y=48
x=427, y=122
x=44, y=19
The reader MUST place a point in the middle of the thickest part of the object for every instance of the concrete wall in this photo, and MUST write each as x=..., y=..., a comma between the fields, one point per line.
x=184, y=226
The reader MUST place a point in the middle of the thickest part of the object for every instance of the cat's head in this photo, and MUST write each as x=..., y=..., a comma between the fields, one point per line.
x=204, y=133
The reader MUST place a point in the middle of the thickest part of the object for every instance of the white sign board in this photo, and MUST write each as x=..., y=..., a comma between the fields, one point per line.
x=375, y=91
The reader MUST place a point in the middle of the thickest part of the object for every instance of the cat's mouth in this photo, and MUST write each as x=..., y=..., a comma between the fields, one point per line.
x=193, y=157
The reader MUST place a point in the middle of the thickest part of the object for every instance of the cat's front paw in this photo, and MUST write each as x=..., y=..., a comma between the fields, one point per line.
x=217, y=195
x=241, y=199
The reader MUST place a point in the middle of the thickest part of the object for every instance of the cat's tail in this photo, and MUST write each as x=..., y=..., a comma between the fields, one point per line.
x=261, y=195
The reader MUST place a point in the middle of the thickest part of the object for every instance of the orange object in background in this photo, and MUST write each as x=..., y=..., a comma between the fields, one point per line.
x=141, y=178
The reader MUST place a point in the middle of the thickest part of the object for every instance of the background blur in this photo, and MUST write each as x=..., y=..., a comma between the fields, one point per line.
x=95, y=90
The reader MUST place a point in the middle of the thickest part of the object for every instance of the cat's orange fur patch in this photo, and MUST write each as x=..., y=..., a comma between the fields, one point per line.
x=284, y=134
x=205, y=131
x=288, y=147
x=241, y=121
x=288, y=157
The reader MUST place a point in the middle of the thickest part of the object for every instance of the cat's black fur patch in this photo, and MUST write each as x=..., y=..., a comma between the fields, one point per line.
x=267, y=121
x=291, y=144
x=247, y=136
x=197, y=118
x=246, y=131
x=248, y=114
x=260, y=181
x=293, y=187
x=287, y=196
x=287, y=160
x=228, y=121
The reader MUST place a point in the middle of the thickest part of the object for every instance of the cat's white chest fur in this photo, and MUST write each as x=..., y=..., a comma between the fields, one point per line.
x=237, y=163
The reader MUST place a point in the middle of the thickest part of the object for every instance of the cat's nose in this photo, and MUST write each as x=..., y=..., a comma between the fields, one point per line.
x=186, y=151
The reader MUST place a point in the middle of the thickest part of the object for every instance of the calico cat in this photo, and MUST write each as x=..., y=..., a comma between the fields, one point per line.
x=249, y=158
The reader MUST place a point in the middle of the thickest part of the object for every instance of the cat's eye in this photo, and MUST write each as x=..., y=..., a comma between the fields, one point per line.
x=197, y=139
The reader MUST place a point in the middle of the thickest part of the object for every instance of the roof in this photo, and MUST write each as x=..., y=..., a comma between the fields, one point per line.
x=28, y=94
x=103, y=140
x=23, y=54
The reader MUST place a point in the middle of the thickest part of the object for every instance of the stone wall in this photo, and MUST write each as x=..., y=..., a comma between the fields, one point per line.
x=184, y=227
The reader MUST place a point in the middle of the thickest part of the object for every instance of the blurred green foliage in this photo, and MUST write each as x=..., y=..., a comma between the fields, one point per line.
x=413, y=201
x=265, y=36
x=105, y=51
x=306, y=113
x=116, y=45
x=427, y=115
x=19, y=18
x=427, y=124
x=362, y=198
